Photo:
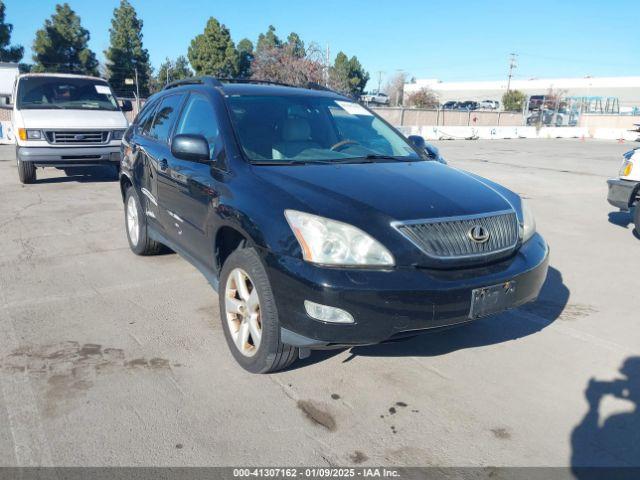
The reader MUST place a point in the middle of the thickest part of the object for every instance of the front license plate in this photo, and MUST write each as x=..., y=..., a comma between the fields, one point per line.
x=489, y=300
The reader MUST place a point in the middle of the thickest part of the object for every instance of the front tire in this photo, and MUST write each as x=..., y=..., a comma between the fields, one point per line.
x=26, y=170
x=249, y=315
x=135, y=222
x=636, y=218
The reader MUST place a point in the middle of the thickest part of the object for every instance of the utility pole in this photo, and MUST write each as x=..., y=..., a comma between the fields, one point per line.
x=137, y=92
x=512, y=65
x=380, y=72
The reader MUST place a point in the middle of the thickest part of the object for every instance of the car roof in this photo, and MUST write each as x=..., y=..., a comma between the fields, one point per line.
x=61, y=75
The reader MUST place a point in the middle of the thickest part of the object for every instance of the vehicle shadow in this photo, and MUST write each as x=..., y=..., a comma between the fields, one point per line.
x=621, y=219
x=83, y=175
x=488, y=331
x=612, y=442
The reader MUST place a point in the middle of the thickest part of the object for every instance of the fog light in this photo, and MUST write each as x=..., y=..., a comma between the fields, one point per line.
x=114, y=156
x=326, y=313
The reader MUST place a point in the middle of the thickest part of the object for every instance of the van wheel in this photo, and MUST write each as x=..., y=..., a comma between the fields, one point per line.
x=135, y=222
x=249, y=315
x=636, y=218
x=26, y=172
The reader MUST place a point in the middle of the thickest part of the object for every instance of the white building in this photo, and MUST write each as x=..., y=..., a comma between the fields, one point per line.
x=626, y=89
x=8, y=74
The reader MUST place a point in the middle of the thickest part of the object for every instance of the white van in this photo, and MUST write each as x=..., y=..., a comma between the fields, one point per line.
x=624, y=191
x=64, y=120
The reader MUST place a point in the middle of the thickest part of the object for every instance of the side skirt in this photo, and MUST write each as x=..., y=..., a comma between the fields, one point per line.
x=209, y=274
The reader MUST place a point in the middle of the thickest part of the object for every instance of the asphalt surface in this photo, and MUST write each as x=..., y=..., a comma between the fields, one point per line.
x=107, y=358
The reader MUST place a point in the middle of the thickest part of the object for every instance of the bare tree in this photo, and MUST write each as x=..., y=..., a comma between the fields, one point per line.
x=423, y=98
x=286, y=65
x=395, y=88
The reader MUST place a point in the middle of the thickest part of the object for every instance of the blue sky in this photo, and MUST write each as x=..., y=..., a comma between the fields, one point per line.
x=450, y=40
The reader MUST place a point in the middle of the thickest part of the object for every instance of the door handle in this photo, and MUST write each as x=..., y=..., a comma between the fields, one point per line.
x=163, y=164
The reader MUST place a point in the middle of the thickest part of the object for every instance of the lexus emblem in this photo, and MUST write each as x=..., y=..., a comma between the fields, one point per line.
x=478, y=234
x=79, y=136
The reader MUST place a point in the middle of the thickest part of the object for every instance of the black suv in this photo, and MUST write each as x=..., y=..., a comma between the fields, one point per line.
x=319, y=224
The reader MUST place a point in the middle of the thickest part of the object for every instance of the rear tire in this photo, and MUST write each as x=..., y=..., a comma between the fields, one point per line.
x=26, y=170
x=135, y=222
x=636, y=218
x=265, y=353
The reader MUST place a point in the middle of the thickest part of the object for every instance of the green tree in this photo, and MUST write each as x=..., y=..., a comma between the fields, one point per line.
x=513, y=100
x=126, y=55
x=213, y=52
x=295, y=43
x=7, y=52
x=268, y=41
x=61, y=45
x=245, y=58
x=347, y=75
x=170, y=71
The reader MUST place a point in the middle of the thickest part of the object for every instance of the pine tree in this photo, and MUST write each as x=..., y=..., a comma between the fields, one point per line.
x=245, y=58
x=172, y=70
x=61, y=45
x=126, y=53
x=7, y=52
x=348, y=76
x=213, y=52
x=268, y=41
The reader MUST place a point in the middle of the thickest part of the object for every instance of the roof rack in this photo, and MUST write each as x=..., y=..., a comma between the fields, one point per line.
x=217, y=82
x=204, y=80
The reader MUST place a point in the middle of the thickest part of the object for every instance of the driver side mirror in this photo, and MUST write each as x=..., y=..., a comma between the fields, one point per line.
x=126, y=106
x=417, y=141
x=193, y=148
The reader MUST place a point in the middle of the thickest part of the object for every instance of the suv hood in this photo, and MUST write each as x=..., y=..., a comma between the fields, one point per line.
x=394, y=190
x=81, y=119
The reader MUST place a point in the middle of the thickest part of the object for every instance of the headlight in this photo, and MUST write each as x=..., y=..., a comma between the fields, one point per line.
x=117, y=134
x=28, y=134
x=330, y=242
x=529, y=223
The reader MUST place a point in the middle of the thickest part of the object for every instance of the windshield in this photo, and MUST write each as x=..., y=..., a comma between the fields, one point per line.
x=65, y=93
x=288, y=129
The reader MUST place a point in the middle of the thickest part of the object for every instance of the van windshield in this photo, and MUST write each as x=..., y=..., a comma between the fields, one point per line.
x=64, y=93
x=306, y=129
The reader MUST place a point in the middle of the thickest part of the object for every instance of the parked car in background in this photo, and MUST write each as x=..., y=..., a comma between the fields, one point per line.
x=450, y=105
x=375, y=98
x=467, y=105
x=489, y=105
x=318, y=223
x=65, y=121
x=624, y=191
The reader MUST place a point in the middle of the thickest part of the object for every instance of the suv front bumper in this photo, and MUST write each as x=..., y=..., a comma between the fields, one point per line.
x=70, y=156
x=392, y=303
x=622, y=193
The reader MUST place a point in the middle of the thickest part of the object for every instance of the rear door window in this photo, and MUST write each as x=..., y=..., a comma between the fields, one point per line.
x=165, y=117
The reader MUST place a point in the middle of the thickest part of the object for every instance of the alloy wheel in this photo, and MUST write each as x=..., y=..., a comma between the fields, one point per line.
x=242, y=308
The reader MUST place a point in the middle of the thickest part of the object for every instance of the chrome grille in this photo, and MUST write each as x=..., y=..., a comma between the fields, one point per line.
x=76, y=137
x=450, y=237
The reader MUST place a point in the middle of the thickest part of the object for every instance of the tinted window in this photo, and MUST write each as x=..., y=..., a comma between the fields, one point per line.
x=199, y=118
x=145, y=117
x=165, y=117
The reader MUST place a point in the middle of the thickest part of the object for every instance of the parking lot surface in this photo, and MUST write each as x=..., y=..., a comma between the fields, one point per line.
x=107, y=358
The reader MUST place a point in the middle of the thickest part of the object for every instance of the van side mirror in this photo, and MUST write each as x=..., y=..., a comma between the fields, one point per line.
x=417, y=141
x=193, y=148
x=126, y=106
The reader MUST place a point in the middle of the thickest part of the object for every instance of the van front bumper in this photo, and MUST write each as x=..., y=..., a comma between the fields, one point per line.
x=622, y=193
x=70, y=156
x=393, y=303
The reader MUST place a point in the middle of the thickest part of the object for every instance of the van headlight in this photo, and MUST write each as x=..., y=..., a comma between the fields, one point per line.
x=528, y=221
x=29, y=134
x=117, y=134
x=329, y=242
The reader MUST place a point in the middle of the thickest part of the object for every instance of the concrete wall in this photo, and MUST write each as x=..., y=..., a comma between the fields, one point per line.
x=416, y=116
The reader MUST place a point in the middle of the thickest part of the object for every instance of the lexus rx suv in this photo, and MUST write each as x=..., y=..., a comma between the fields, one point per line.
x=318, y=223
